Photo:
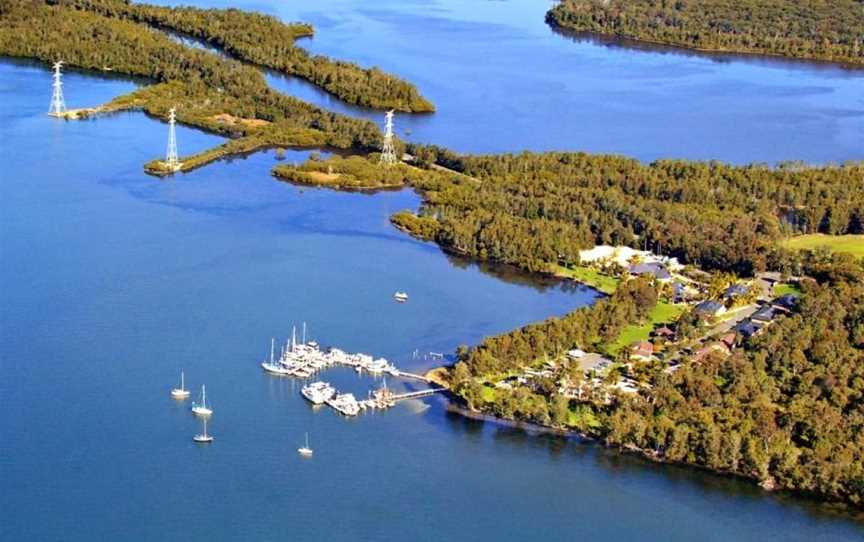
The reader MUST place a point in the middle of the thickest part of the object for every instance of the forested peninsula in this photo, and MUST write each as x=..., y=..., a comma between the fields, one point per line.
x=831, y=30
x=265, y=41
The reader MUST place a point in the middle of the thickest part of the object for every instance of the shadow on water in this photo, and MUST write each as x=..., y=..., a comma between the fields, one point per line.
x=620, y=465
x=515, y=275
x=768, y=61
x=105, y=75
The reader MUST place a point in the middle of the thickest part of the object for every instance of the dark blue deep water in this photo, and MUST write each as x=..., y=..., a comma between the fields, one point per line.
x=112, y=281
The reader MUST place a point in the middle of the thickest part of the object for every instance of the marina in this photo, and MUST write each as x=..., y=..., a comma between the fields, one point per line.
x=305, y=359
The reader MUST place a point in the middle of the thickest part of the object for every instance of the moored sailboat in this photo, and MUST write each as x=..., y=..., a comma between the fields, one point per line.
x=181, y=392
x=203, y=437
x=201, y=409
x=305, y=450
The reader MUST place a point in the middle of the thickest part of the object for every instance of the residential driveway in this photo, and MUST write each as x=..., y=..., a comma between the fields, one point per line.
x=724, y=326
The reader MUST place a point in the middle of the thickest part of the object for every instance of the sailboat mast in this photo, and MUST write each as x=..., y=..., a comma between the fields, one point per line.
x=272, y=349
x=304, y=332
x=182, y=383
x=293, y=338
x=203, y=396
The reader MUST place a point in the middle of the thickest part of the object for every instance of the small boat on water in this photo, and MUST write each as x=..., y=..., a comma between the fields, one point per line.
x=318, y=392
x=201, y=409
x=305, y=450
x=401, y=297
x=181, y=392
x=203, y=437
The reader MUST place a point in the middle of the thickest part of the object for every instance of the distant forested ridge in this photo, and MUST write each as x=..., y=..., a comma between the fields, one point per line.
x=266, y=41
x=830, y=30
x=537, y=209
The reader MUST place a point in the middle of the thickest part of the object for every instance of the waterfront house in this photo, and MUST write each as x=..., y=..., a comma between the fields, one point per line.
x=710, y=309
x=655, y=269
x=642, y=351
x=787, y=302
x=706, y=351
x=594, y=362
x=736, y=290
x=665, y=333
x=575, y=354
x=765, y=315
x=748, y=328
x=729, y=340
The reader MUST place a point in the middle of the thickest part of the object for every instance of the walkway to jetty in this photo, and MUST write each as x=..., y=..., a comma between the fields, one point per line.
x=416, y=394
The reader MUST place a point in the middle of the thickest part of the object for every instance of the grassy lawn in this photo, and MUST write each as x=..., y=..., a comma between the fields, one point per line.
x=786, y=289
x=589, y=276
x=663, y=313
x=488, y=394
x=853, y=244
x=582, y=418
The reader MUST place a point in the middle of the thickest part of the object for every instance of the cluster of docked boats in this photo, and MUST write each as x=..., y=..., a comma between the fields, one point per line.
x=304, y=359
x=319, y=393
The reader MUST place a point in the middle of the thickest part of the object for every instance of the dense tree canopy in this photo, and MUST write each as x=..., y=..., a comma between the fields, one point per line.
x=535, y=209
x=816, y=29
x=265, y=41
x=787, y=409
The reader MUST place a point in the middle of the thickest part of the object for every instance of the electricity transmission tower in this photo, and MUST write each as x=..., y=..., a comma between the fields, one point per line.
x=58, y=105
x=388, y=152
x=172, y=161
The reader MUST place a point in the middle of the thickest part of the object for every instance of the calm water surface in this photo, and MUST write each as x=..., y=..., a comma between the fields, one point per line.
x=112, y=281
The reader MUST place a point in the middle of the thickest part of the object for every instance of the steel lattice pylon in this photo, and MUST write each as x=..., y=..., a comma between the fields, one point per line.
x=171, y=158
x=388, y=152
x=58, y=105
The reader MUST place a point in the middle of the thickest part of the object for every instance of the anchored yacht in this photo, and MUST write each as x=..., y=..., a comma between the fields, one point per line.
x=305, y=450
x=181, y=392
x=201, y=408
x=203, y=438
x=401, y=297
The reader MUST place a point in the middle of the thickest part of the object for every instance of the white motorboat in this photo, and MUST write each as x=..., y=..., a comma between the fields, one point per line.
x=401, y=297
x=318, y=392
x=345, y=403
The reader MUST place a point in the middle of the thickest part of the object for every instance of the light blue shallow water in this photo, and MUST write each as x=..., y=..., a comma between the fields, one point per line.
x=112, y=281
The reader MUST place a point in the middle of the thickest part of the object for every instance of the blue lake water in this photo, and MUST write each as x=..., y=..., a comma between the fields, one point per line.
x=112, y=281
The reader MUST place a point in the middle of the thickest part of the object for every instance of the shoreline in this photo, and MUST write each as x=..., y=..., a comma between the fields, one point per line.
x=633, y=42
x=455, y=405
